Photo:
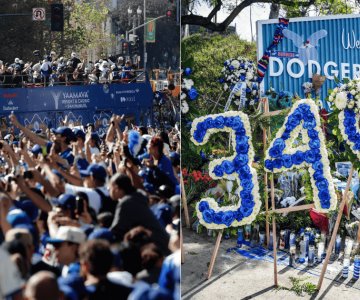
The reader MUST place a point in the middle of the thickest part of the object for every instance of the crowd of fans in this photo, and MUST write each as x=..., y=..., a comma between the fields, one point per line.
x=53, y=70
x=84, y=217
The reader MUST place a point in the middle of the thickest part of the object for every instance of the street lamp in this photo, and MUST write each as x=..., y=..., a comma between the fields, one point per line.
x=139, y=12
x=130, y=15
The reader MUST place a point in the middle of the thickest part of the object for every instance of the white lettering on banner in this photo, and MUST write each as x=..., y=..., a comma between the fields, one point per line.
x=127, y=99
x=127, y=92
x=356, y=70
x=330, y=69
x=312, y=63
x=272, y=60
x=75, y=95
x=345, y=72
x=351, y=42
x=10, y=108
x=333, y=72
x=301, y=65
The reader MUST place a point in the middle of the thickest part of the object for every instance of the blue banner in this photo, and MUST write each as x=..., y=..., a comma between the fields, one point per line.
x=328, y=46
x=48, y=106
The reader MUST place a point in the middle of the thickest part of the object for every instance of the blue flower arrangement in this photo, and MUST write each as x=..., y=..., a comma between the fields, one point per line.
x=238, y=166
x=281, y=155
x=188, y=91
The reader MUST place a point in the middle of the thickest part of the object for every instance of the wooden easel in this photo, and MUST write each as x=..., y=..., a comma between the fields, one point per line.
x=266, y=133
x=299, y=208
x=184, y=203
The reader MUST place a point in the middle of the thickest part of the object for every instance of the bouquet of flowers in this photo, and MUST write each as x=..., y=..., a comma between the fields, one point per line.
x=196, y=183
x=345, y=101
x=240, y=77
x=188, y=91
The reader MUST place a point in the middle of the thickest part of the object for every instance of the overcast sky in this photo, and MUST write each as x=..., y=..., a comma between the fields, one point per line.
x=242, y=21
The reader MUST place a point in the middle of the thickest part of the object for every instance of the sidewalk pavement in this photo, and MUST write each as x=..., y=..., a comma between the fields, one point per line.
x=238, y=277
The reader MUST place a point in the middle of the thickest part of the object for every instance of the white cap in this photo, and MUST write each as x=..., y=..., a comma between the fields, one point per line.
x=68, y=234
x=17, y=60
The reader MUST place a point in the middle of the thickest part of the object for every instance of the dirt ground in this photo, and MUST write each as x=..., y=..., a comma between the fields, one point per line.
x=238, y=277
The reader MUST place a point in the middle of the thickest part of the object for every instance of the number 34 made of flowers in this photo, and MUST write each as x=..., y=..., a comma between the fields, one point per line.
x=282, y=155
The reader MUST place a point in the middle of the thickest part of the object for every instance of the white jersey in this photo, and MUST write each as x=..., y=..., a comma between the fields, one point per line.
x=94, y=197
x=10, y=279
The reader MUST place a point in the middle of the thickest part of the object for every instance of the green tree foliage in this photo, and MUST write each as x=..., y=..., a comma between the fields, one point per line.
x=320, y=7
x=83, y=21
x=83, y=27
x=206, y=54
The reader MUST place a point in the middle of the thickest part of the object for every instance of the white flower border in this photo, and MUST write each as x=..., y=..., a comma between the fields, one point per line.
x=255, y=191
x=289, y=149
x=345, y=136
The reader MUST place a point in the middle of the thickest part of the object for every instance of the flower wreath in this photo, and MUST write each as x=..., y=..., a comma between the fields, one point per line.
x=304, y=119
x=237, y=71
x=345, y=101
x=238, y=165
x=188, y=91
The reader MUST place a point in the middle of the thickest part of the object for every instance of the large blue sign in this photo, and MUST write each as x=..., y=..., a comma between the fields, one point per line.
x=327, y=46
x=48, y=106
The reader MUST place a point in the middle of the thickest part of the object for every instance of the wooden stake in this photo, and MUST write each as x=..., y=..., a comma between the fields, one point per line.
x=336, y=227
x=274, y=229
x=182, y=246
x=267, y=227
x=184, y=203
x=294, y=208
x=214, y=255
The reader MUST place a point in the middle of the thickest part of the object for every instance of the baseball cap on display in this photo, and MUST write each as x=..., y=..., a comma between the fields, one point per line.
x=68, y=234
x=95, y=170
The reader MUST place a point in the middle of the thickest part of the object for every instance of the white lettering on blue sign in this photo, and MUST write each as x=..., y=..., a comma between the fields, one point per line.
x=330, y=69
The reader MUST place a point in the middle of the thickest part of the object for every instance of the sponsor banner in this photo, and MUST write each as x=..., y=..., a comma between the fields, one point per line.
x=82, y=104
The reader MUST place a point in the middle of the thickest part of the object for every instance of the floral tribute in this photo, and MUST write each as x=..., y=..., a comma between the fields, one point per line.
x=239, y=75
x=345, y=102
x=188, y=91
x=304, y=120
x=237, y=166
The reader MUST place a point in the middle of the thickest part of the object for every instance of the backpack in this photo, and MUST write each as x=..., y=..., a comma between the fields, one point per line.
x=107, y=204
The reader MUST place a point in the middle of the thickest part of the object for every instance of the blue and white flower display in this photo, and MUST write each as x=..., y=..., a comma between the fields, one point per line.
x=240, y=77
x=304, y=119
x=188, y=91
x=237, y=166
x=345, y=101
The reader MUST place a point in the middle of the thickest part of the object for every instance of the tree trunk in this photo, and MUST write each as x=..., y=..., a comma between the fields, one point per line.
x=274, y=11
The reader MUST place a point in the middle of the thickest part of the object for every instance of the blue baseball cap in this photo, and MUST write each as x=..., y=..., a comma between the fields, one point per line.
x=17, y=217
x=29, y=208
x=66, y=201
x=68, y=292
x=63, y=131
x=95, y=170
x=95, y=136
x=75, y=282
x=36, y=149
x=79, y=133
x=103, y=234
